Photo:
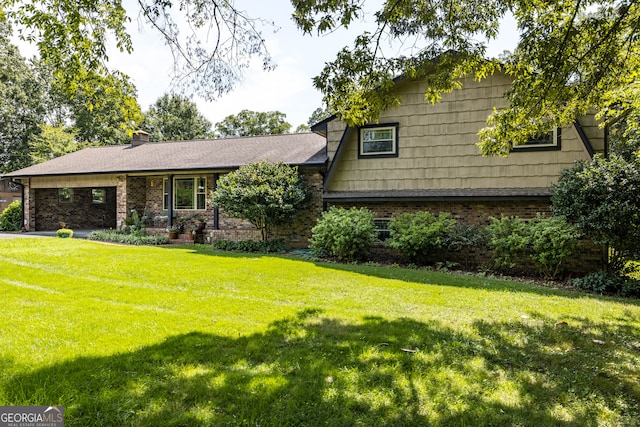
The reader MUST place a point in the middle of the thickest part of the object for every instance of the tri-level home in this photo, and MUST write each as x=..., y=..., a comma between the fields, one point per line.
x=417, y=156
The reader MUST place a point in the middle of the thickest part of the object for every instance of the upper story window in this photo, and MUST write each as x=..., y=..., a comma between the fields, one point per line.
x=548, y=141
x=378, y=141
x=188, y=193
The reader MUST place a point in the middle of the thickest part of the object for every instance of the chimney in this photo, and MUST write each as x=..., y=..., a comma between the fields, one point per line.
x=139, y=137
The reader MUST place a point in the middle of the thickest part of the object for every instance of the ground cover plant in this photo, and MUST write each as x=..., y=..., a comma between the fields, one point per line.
x=175, y=336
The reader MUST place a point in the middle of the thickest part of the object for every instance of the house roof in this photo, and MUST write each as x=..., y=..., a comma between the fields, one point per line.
x=228, y=153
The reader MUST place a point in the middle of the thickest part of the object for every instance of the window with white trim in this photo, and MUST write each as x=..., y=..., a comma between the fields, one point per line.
x=381, y=226
x=547, y=141
x=189, y=193
x=378, y=140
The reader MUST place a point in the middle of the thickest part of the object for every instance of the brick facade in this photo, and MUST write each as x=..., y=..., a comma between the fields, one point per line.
x=80, y=212
x=478, y=213
x=467, y=212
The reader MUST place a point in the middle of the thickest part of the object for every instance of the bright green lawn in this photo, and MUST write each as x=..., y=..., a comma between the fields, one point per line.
x=186, y=337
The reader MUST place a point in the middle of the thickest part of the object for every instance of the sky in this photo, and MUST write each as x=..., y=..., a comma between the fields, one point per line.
x=288, y=89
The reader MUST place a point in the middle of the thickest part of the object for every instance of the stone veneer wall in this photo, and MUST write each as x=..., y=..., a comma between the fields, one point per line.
x=81, y=213
x=590, y=257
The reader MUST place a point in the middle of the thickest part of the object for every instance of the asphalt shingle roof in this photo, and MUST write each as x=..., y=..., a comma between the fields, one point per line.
x=294, y=149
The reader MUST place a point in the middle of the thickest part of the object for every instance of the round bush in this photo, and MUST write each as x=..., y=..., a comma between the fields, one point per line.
x=11, y=217
x=421, y=235
x=345, y=234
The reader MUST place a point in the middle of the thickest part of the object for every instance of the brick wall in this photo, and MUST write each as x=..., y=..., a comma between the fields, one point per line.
x=471, y=213
x=590, y=257
x=80, y=213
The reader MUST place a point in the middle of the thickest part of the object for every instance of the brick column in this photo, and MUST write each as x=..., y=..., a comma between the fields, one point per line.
x=121, y=200
x=29, y=206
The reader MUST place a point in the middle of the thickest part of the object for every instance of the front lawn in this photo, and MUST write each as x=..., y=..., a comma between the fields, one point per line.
x=159, y=336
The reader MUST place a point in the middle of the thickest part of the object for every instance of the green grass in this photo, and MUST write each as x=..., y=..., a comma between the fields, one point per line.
x=151, y=336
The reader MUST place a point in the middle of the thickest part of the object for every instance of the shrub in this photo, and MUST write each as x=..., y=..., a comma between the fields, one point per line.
x=345, y=234
x=65, y=232
x=601, y=198
x=136, y=224
x=603, y=282
x=508, y=239
x=421, y=235
x=547, y=242
x=266, y=194
x=11, y=217
x=264, y=246
x=552, y=241
x=115, y=236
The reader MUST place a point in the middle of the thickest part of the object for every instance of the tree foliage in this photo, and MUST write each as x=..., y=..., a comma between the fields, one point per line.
x=251, y=123
x=97, y=109
x=20, y=105
x=176, y=118
x=266, y=194
x=52, y=142
x=573, y=56
x=602, y=198
x=72, y=36
x=318, y=115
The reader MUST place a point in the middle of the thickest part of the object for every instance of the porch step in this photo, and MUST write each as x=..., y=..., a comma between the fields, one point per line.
x=183, y=239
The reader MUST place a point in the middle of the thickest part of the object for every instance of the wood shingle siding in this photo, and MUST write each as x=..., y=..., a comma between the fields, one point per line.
x=437, y=146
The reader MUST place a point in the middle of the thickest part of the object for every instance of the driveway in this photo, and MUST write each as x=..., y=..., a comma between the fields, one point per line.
x=77, y=234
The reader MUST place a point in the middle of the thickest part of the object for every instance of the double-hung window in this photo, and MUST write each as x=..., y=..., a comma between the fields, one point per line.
x=188, y=193
x=378, y=141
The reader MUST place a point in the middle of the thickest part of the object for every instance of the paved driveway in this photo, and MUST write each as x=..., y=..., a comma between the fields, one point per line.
x=77, y=234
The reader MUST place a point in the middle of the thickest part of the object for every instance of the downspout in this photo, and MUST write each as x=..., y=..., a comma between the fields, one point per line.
x=170, y=202
x=22, y=219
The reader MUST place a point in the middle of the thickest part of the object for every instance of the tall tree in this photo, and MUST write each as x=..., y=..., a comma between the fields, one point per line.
x=249, y=123
x=573, y=56
x=318, y=115
x=20, y=105
x=72, y=36
x=175, y=118
x=97, y=109
x=54, y=141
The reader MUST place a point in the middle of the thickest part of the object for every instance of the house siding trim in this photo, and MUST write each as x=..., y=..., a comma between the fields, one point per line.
x=440, y=195
x=583, y=137
x=345, y=137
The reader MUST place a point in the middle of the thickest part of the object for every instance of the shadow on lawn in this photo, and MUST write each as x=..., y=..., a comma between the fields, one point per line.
x=314, y=370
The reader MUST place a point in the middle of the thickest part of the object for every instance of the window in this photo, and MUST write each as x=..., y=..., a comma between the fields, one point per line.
x=382, y=228
x=98, y=196
x=548, y=141
x=188, y=193
x=65, y=195
x=379, y=141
